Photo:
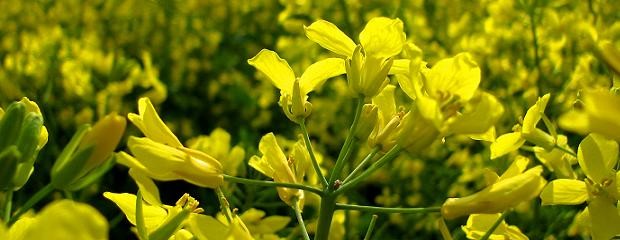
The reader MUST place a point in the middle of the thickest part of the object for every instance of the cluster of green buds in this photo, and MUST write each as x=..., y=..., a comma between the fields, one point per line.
x=22, y=137
x=89, y=153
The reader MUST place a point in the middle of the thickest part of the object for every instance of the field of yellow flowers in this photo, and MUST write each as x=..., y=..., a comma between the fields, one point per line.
x=299, y=119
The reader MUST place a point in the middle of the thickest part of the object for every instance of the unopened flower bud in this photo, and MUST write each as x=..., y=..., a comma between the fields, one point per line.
x=89, y=148
x=8, y=164
x=368, y=119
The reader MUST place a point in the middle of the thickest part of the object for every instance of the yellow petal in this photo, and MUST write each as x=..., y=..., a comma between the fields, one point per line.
x=430, y=109
x=505, y=144
x=605, y=218
x=147, y=187
x=400, y=66
x=603, y=110
x=316, y=74
x=534, y=114
x=597, y=156
x=383, y=37
x=275, y=68
x=564, y=192
x=478, y=224
x=207, y=227
x=153, y=215
x=330, y=37
x=459, y=75
x=386, y=103
x=479, y=115
x=151, y=124
x=517, y=167
x=157, y=157
x=65, y=219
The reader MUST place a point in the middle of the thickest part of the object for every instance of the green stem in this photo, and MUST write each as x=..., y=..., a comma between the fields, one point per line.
x=346, y=148
x=8, y=205
x=393, y=153
x=359, y=167
x=371, y=227
x=140, y=217
x=326, y=213
x=494, y=226
x=563, y=149
x=42, y=193
x=373, y=209
x=300, y=219
x=315, y=163
x=224, y=205
x=272, y=184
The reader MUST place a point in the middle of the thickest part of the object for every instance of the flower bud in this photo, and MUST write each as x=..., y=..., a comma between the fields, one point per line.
x=8, y=163
x=88, y=148
x=368, y=119
x=366, y=74
x=10, y=124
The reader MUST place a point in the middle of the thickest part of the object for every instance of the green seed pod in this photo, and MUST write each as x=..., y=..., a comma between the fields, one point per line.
x=8, y=163
x=29, y=136
x=11, y=123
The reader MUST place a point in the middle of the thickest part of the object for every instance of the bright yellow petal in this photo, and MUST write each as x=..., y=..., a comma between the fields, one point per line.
x=151, y=125
x=430, y=109
x=147, y=187
x=383, y=37
x=603, y=110
x=517, y=167
x=330, y=37
x=65, y=219
x=206, y=227
x=400, y=66
x=534, y=114
x=459, y=75
x=479, y=115
x=605, y=218
x=316, y=74
x=505, y=144
x=564, y=192
x=153, y=215
x=597, y=157
x=275, y=68
x=386, y=103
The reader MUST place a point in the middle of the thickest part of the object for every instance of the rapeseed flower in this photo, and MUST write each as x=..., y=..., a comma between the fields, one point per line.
x=597, y=156
x=369, y=62
x=161, y=155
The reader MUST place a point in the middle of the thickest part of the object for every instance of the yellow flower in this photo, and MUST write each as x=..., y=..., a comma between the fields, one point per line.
x=156, y=216
x=597, y=156
x=161, y=156
x=504, y=192
x=479, y=224
x=369, y=62
x=557, y=160
x=63, y=219
x=294, y=91
x=447, y=96
x=162, y=162
x=205, y=227
x=217, y=144
x=274, y=164
x=509, y=142
x=151, y=125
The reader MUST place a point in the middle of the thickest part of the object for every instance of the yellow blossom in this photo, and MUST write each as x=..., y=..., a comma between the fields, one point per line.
x=503, y=192
x=479, y=224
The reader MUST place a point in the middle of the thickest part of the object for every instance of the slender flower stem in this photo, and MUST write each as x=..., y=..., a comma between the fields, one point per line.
x=494, y=226
x=300, y=219
x=346, y=148
x=315, y=163
x=8, y=205
x=224, y=205
x=393, y=153
x=326, y=213
x=272, y=184
x=563, y=149
x=371, y=227
x=373, y=209
x=42, y=193
x=359, y=167
x=140, y=218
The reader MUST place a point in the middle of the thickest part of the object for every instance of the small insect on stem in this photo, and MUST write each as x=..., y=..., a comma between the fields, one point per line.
x=337, y=184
